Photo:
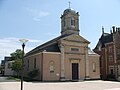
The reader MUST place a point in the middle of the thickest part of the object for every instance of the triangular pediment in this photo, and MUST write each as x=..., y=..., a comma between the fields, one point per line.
x=75, y=38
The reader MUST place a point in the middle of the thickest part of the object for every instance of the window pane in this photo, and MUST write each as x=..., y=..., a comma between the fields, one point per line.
x=35, y=63
x=72, y=21
x=110, y=58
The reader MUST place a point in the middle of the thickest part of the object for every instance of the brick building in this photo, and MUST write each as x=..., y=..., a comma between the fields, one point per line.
x=108, y=47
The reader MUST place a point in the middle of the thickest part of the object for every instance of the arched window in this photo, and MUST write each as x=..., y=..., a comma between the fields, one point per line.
x=51, y=66
x=72, y=21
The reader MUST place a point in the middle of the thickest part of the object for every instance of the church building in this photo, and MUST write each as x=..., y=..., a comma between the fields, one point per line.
x=66, y=57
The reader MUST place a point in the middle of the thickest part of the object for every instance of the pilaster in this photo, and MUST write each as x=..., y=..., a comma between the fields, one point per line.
x=62, y=71
x=86, y=63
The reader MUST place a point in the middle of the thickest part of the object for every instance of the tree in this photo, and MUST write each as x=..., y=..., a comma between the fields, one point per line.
x=33, y=74
x=17, y=55
x=16, y=66
x=17, y=60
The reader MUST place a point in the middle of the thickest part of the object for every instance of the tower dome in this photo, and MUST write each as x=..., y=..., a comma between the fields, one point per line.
x=68, y=10
x=69, y=22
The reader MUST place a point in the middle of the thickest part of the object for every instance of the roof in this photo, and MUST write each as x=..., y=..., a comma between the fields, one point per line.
x=7, y=58
x=76, y=38
x=50, y=46
x=69, y=10
x=105, y=38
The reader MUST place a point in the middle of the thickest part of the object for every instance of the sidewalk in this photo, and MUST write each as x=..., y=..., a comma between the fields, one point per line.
x=85, y=85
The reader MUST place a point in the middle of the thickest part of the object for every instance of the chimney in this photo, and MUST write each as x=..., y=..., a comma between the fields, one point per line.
x=119, y=29
x=102, y=30
x=113, y=29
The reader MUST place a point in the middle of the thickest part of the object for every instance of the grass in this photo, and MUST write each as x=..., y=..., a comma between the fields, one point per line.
x=18, y=79
x=13, y=78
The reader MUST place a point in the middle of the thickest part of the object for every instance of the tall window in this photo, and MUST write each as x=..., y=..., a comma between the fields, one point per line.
x=72, y=21
x=28, y=64
x=51, y=66
x=110, y=58
x=34, y=63
x=110, y=49
x=94, y=67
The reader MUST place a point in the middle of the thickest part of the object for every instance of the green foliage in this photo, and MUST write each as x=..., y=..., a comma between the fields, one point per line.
x=17, y=60
x=13, y=78
x=33, y=74
x=17, y=65
x=17, y=55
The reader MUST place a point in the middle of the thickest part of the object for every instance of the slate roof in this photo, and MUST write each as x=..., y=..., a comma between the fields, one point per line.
x=50, y=46
x=105, y=38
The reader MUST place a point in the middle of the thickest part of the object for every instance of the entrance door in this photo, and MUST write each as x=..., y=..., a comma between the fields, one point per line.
x=75, y=71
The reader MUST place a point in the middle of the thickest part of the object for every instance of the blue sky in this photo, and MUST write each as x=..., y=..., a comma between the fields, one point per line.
x=39, y=21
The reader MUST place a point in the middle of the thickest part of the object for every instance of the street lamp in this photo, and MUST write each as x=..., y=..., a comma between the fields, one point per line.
x=23, y=46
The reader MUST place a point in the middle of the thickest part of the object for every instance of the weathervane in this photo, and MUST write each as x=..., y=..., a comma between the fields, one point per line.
x=69, y=3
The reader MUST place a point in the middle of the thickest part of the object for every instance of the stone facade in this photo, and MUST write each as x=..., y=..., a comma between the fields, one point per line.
x=94, y=72
x=65, y=57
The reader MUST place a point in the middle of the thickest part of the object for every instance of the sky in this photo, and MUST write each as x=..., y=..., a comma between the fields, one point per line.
x=39, y=21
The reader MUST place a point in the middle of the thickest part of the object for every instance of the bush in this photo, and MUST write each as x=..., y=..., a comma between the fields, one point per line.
x=33, y=74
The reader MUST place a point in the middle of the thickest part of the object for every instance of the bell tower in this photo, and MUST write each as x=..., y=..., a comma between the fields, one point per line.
x=69, y=22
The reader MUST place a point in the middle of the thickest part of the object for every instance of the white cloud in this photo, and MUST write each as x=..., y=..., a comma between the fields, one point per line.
x=34, y=41
x=36, y=14
x=10, y=44
x=50, y=34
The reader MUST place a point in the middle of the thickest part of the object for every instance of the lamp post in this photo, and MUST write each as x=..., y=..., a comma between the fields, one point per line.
x=23, y=47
